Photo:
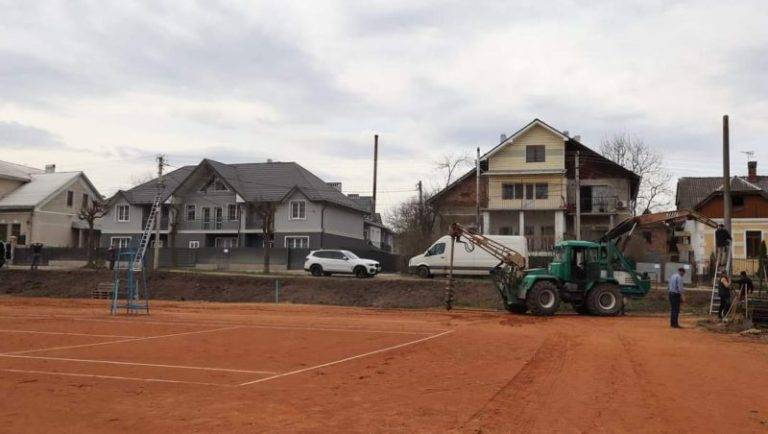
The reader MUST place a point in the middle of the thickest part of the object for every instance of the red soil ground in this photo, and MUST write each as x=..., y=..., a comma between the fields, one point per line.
x=65, y=365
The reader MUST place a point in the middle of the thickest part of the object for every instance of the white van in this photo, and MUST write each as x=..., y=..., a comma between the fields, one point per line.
x=436, y=259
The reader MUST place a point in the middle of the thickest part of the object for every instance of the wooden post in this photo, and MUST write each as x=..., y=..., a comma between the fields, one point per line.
x=478, y=223
x=158, y=212
x=449, y=288
x=577, y=223
x=375, y=170
x=727, y=204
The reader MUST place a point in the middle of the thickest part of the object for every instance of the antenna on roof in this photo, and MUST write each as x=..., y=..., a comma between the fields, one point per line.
x=750, y=155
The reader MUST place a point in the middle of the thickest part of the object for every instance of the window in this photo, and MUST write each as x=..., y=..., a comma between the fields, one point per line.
x=233, y=211
x=542, y=191
x=511, y=191
x=191, y=212
x=120, y=242
x=85, y=200
x=219, y=216
x=528, y=231
x=437, y=249
x=123, y=213
x=70, y=198
x=206, y=217
x=737, y=201
x=529, y=191
x=753, y=238
x=298, y=210
x=297, y=242
x=535, y=154
x=194, y=244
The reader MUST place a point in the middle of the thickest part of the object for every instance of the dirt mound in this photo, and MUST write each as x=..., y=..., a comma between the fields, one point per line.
x=405, y=293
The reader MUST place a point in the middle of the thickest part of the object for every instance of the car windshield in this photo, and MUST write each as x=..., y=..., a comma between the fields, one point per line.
x=349, y=254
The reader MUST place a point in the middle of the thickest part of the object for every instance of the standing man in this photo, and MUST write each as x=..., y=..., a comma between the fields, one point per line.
x=724, y=292
x=722, y=241
x=676, y=290
x=37, y=253
x=2, y=253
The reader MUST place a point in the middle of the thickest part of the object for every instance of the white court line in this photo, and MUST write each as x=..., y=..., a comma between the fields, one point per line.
x=262, y=326
x=68, y=347
x=299, y=371
x=112, y=377
x=153, y=365
x=67, y=334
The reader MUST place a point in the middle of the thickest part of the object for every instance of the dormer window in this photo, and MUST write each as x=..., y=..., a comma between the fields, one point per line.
x=218, y=185
x=214, y=184
x=535, y=154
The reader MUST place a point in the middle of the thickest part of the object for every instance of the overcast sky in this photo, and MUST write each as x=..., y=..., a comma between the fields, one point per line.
x=103, y=86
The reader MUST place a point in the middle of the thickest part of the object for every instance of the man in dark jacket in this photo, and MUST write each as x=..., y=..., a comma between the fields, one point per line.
x=724, y=292
x=2, y=253
x=722, y=241
x=37, y=253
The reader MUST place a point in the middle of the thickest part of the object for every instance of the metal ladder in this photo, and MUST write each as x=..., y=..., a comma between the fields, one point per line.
x=714, y=303
x=138, y=260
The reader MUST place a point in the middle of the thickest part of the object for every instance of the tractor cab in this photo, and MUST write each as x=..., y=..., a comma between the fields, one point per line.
x=578, y=262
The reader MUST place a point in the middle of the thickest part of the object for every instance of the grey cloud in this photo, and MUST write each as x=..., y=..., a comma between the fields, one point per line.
x=16, y=135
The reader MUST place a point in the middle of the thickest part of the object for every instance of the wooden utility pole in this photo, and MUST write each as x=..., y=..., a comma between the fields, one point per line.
x=478, y=223
x=375, y=169
x=578, y=199
x=158, y=211
x=419, y=185
x=726, y=175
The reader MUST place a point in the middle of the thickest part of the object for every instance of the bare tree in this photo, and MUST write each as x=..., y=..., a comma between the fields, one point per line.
x=90, y=213
x=632, y=153
x=449, y=163
x=266, y=213
x=413, y=224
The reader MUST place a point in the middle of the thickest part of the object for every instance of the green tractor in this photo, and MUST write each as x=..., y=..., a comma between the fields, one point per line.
x=593, y=277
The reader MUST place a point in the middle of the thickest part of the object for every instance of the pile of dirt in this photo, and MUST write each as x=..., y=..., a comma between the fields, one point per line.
x=391, y=293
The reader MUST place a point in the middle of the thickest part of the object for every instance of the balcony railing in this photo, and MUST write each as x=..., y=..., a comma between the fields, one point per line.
x=598, y=205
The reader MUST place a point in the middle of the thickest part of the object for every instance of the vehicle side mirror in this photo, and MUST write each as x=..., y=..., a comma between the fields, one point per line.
x=346, y=259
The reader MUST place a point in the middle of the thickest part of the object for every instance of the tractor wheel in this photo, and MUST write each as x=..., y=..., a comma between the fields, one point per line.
x=543, y=299
x=316, y=270
x=423, y=272
x=361, y=272
x=605, y=300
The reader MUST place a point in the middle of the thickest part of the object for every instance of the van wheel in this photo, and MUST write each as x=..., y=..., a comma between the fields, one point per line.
x=361, y=273
x=316, y=270
x=543, y=299
x=423, y=272
x=605, y=300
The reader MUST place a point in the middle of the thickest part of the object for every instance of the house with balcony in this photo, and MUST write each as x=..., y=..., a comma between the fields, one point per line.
x=528, y=187
x=214, y=204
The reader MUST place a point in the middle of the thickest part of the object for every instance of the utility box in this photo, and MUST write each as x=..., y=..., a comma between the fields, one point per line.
x=654, y=271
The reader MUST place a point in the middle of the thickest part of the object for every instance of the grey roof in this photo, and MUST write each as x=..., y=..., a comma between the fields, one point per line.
x=254, y=182
x=40, y=187
x=145, y=193
x=15, y=171
x=692, y=190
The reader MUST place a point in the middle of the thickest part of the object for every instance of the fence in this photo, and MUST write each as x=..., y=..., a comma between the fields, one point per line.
x=235, y=259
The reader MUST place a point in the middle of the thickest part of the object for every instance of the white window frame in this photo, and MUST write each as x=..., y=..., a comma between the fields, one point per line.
x=194, y=212
x=303, y=207
x=194, y=244
x=120, y=242
x=293, y=239
x=237, y=212
x=127, y=213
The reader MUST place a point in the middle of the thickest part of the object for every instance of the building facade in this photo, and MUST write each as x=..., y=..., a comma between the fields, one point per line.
x=42, y=206
x=219, y=205
x=749, y=200
x=528, y=187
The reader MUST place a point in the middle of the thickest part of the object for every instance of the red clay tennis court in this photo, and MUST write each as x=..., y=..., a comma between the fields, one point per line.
x=66, y=365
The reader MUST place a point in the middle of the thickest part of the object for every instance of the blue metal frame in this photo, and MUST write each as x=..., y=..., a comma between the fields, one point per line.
x=135, y=291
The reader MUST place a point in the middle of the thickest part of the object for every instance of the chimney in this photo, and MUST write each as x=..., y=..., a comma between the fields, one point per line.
x=336, y=185
x=502, y=137
x=269, y=160
x=566, y=133
x=50, y=168
x=577, y=138
x=752, y=171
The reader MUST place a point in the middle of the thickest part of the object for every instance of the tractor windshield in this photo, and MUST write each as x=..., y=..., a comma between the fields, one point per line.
x=559, y=254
